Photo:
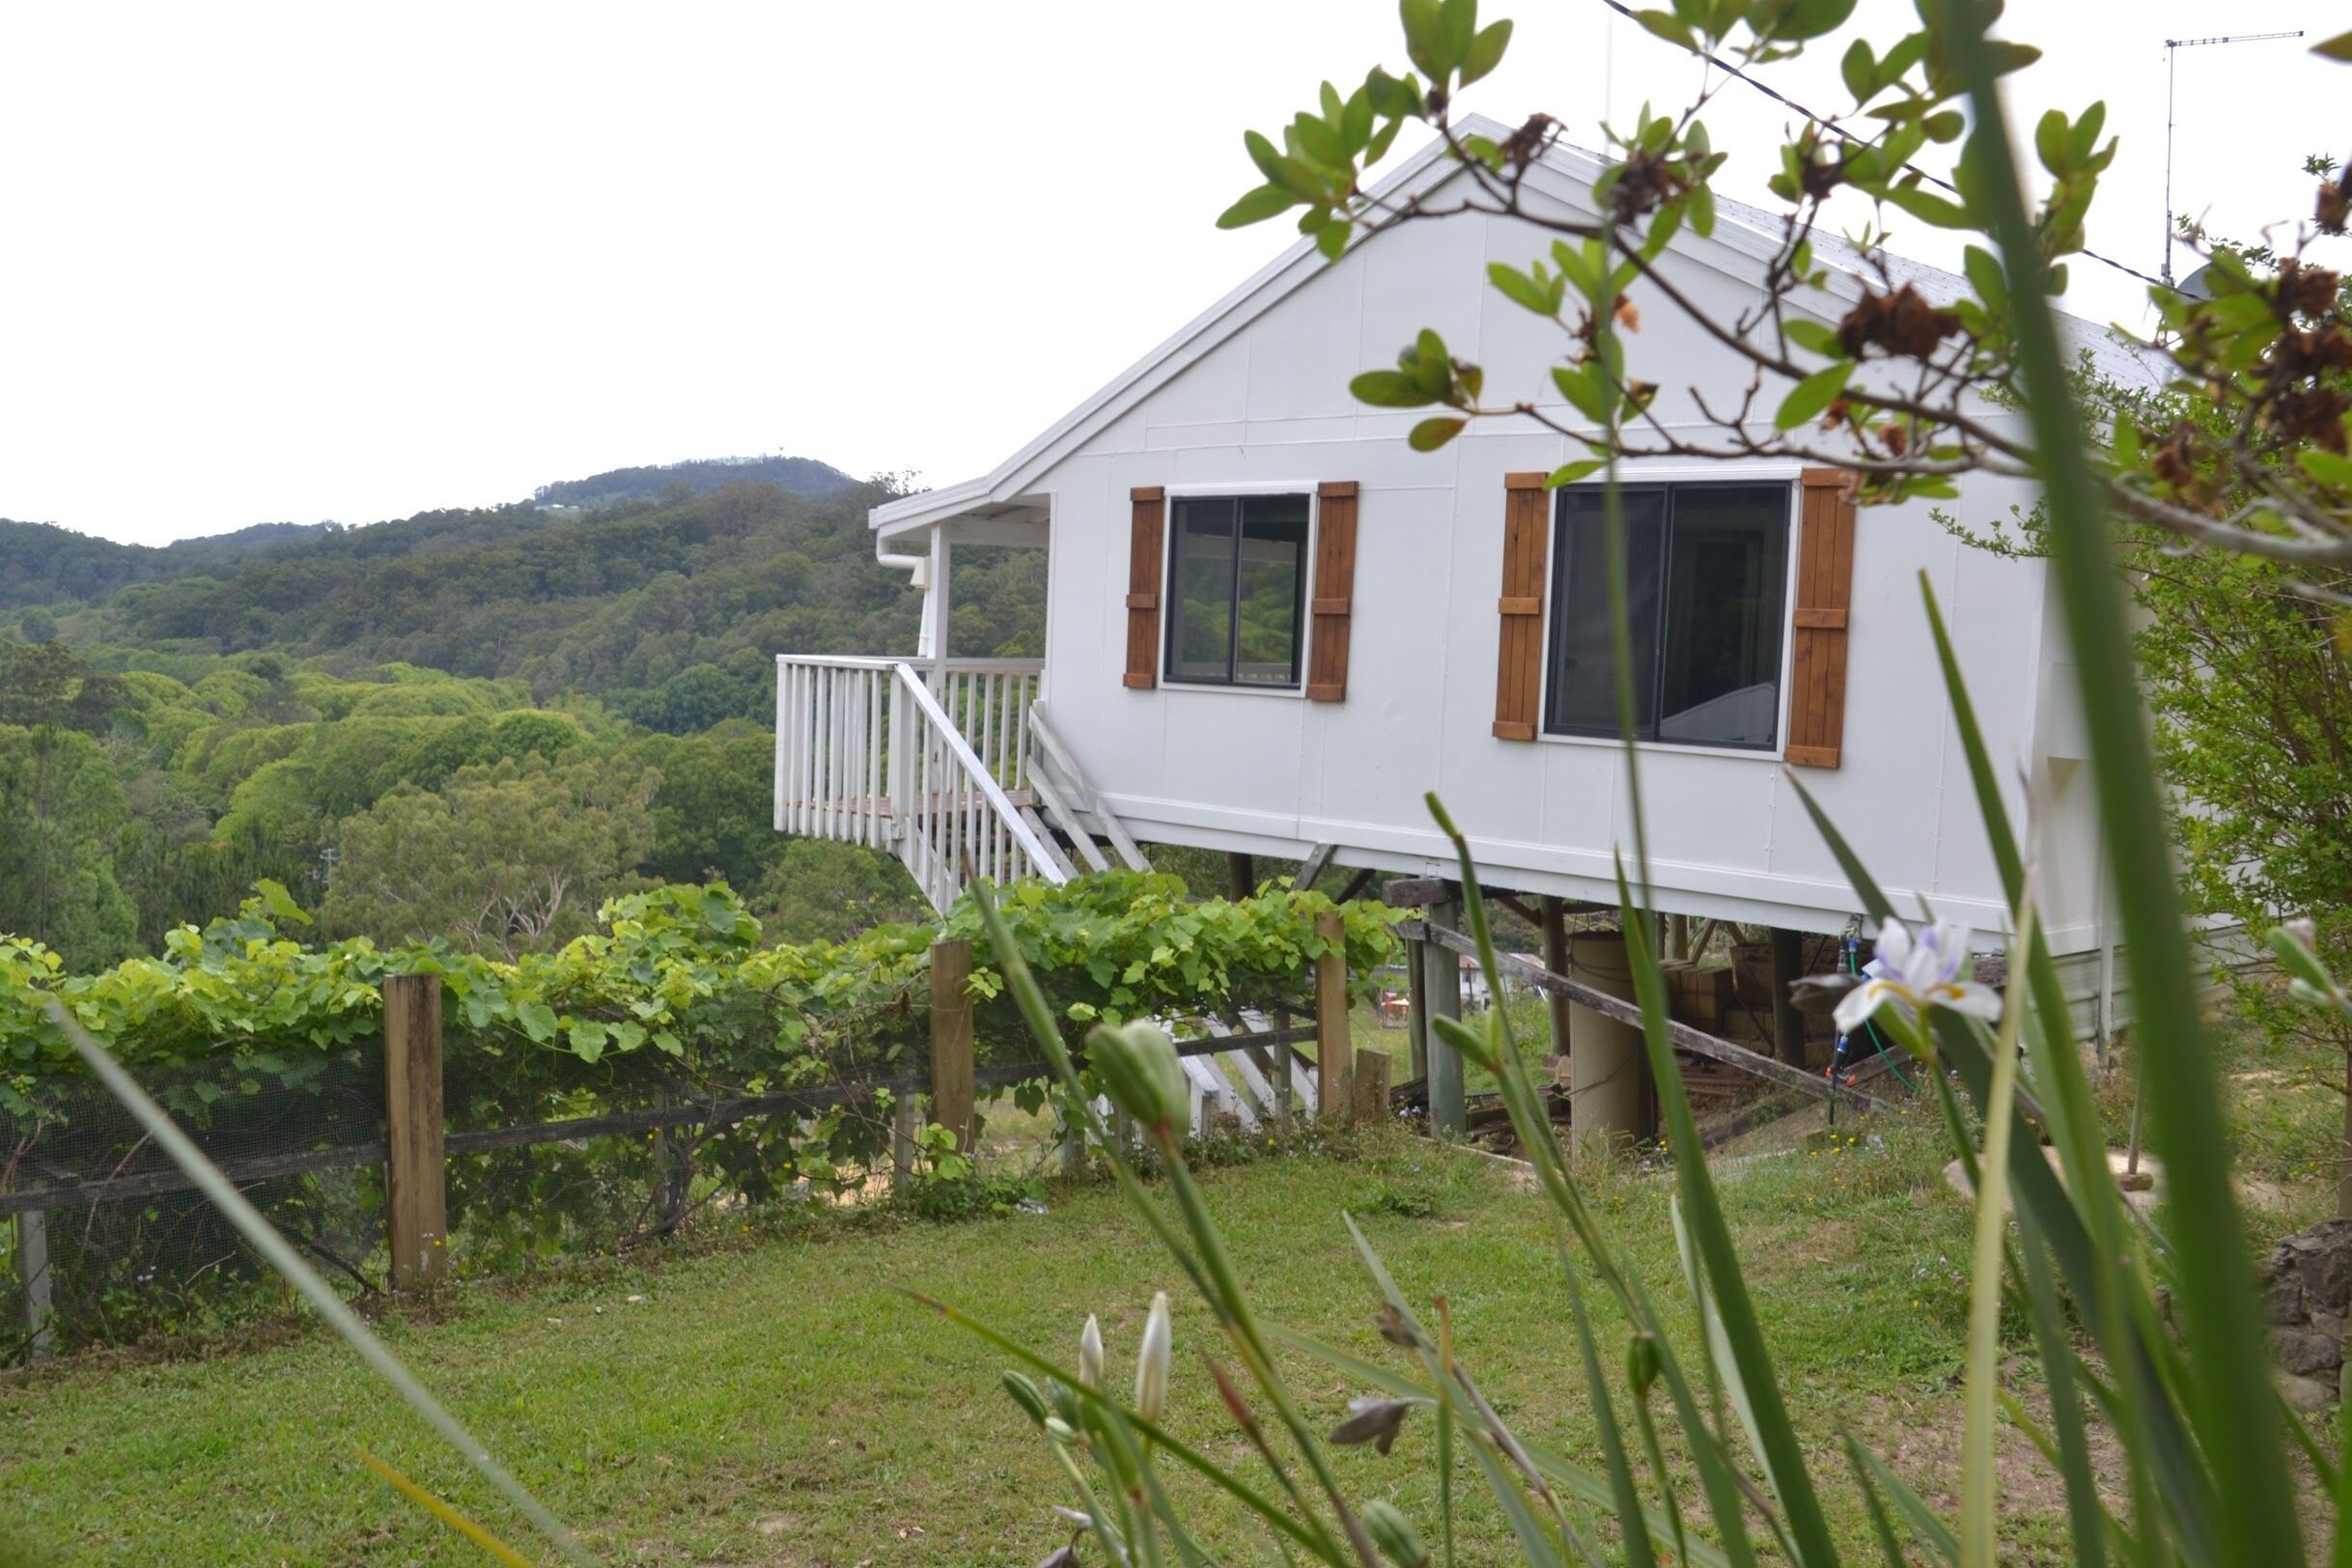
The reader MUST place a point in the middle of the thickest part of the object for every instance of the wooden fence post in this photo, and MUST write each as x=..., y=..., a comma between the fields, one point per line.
x=1417, y=1010
x=1372, y=1086
x=1442, y=997
x=416, y=1199
x=39, y=1295
x=951, y=1039
x=1787, y=969
x=1335, y=1038
x=901, y=1138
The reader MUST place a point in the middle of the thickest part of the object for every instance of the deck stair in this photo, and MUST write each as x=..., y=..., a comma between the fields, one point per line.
x=951, y=768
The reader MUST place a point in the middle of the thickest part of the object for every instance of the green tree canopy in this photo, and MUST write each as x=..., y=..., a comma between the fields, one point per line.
x=511, y=857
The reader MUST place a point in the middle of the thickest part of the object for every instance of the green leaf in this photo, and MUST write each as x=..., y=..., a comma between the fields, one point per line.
x=2126, y=448
x=278, y=904
x=537, y=1021
x=1432, y=434
x=1701, y=202
x=1860, y=68
x=1318, y=141
x=2328, y=467
x=1810, y=397
x=1794, y=21
x=1424, y=22
x=1261, y=204
x=2084, y=140
x=1926, y=206
x=1580, y=385
x=1812, y=336
x=1281, y=169
x=1485, y=51
x=1985, y=275
x=1568, y=473
x=1389, y=389
x=1669, y=26
x=588, y=1040
x=2050, y=140
x=2338, y=47
x=1521, y=289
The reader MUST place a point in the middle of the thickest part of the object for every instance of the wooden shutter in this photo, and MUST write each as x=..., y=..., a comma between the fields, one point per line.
x=1327, y=675
x=1825, y=593
x=1519, y=673
x=1143, y=585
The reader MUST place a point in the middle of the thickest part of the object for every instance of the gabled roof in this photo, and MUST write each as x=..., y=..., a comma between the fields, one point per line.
x=1741, y=231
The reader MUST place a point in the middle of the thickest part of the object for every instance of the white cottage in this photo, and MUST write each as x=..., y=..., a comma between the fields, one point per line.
x=1271, y=626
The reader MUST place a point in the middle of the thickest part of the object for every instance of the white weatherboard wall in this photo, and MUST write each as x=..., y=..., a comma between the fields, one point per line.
x=1277, y=773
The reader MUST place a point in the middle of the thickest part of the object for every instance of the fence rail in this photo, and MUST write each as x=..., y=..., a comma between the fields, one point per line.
x=1269, y=1077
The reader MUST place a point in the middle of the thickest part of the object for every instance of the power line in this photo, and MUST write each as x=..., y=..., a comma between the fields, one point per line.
x=1783, y=98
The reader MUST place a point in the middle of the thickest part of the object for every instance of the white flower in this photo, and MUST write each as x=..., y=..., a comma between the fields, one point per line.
x=1090, y=1354
x=1916, y=972
x=1152, y=1362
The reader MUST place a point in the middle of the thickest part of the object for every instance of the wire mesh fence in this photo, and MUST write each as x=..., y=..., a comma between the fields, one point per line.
x=109, y=1243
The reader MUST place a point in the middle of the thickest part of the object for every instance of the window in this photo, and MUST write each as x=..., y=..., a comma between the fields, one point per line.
x=1237, y=583
x=1705, y=576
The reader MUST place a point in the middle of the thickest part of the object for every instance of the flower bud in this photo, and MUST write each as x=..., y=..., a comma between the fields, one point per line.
x=1152, y=1361
x=1064, y=1403
x=1090, y=1354
x=1393, y=1533
x=1025, y=1394
x=1140, y=1073
x=1640, y=1364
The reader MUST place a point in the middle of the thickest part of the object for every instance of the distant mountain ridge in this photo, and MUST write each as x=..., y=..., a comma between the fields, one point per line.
x=44, y=564
x=671, y=481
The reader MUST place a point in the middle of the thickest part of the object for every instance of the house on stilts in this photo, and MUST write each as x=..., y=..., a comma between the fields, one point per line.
x=1271, y=626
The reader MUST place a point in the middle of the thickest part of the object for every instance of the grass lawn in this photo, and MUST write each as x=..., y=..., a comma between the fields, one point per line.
x=775, y=1400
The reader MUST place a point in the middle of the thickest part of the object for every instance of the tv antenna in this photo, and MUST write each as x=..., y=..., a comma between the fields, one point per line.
x=2171, y=53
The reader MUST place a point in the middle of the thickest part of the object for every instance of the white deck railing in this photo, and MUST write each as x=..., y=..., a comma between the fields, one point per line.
x=871, y=751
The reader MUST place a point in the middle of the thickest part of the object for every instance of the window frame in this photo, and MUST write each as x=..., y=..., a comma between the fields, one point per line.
x=1239, y=491
x=1665, y=479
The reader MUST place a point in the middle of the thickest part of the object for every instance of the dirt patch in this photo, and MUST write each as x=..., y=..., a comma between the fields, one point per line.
x=1919, y=1440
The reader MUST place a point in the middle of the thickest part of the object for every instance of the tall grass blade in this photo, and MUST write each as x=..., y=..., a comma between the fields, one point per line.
x=1979, y=1485
x=1630, y=1518
x=1923, y=1523
x=282, y=1256
x=1776, y=1436
x=1324, y=1549
x=1889, y=1547
x=2230, y=1395
x=2086, y=1515
x=443, y=1512
x=2341, y=1557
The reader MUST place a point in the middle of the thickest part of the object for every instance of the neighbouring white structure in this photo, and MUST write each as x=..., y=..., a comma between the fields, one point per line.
x=1271, y=626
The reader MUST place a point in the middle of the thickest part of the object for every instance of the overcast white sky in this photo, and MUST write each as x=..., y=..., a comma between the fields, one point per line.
x=323, y=262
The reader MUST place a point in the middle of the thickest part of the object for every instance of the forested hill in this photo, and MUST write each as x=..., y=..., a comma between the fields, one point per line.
x=804, y=476
x=672, y=614
x=44, y=563
x=41, y=563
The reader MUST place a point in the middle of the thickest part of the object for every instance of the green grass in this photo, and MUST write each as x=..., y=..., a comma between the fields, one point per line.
x=774, y=1399
x=778, y=1401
